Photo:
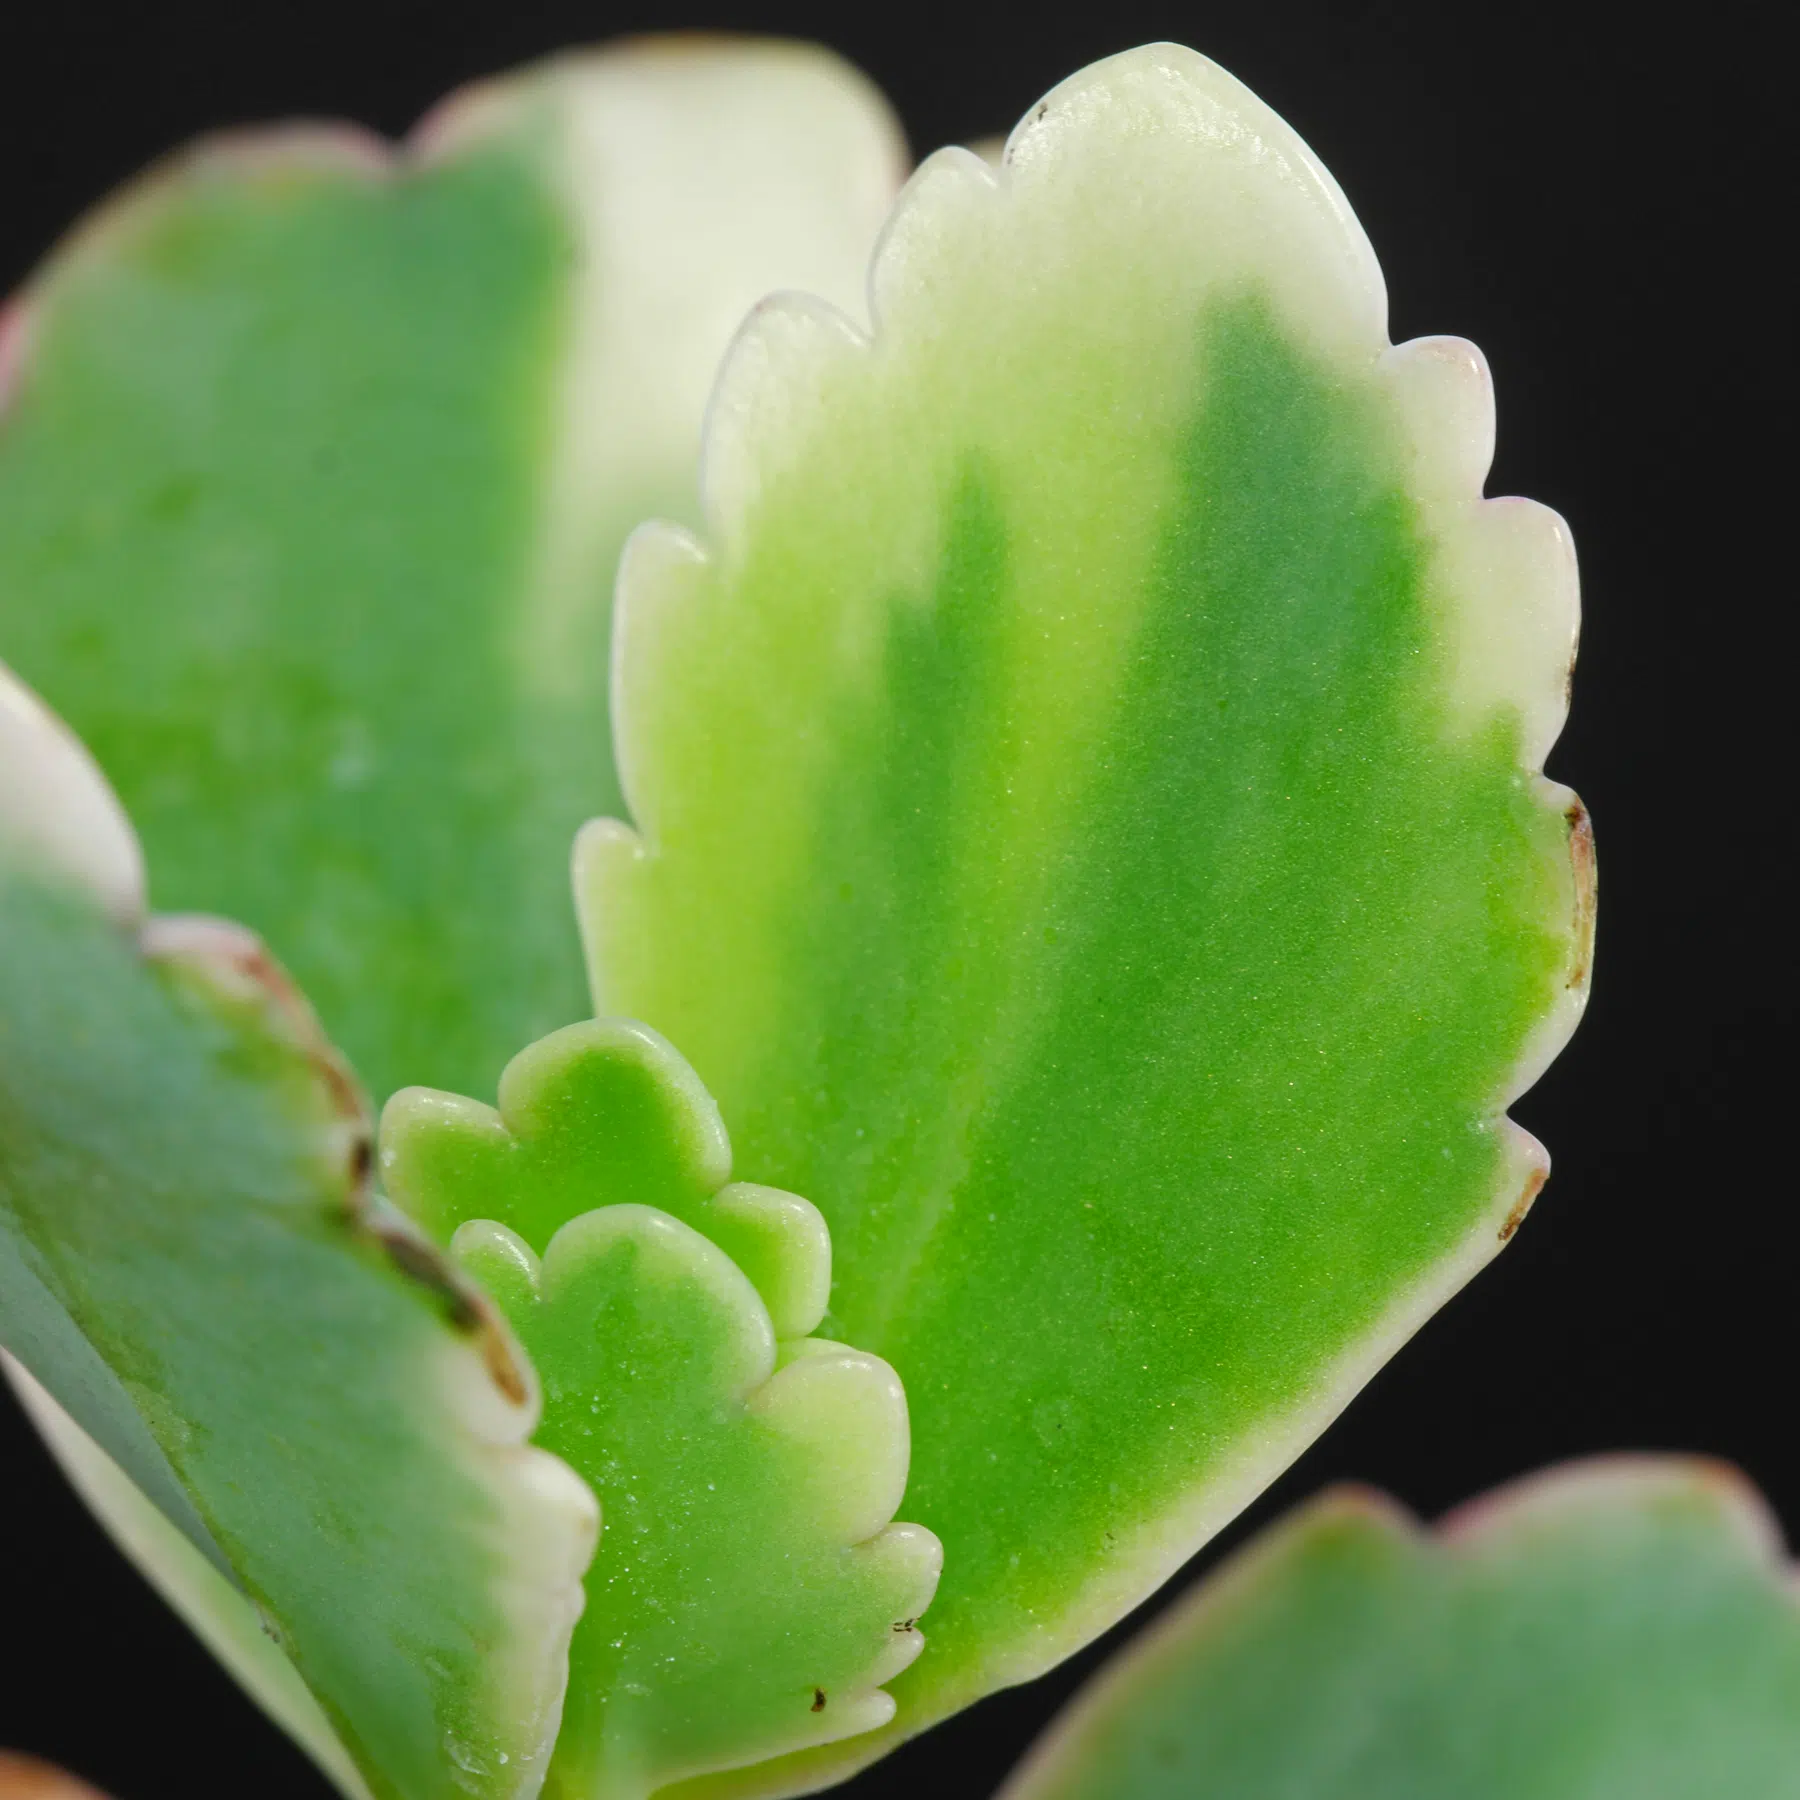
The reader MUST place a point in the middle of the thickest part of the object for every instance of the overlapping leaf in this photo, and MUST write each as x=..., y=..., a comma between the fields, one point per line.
x=191, y=1265
x=313, y=470
x=1608, y=1630
x=750, y=1596
x=1090, y=834
x=313, y=478
x=218, y=1611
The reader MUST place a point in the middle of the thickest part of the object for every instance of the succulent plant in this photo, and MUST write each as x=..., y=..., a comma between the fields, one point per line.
x=1062, y=878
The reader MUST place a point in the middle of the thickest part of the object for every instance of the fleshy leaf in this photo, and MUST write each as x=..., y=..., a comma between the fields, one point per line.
x=218, y=1612
x=749, y=1596
x=331, y=1419
x=1609, y=1630
x=313, y=480
x=1090, y=836
x=606, y=1112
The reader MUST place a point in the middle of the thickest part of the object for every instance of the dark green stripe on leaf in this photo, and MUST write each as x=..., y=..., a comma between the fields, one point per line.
x=1114, y=1177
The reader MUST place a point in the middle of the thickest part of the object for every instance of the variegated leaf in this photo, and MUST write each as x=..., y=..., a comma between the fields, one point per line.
x=279, y=1396
x=315, y=468
x=1090, y=836
x=750, y=1595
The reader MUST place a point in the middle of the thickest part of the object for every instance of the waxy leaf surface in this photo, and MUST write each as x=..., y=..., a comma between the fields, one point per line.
x=1601, y=1632
x=210, y=1602
x=1089, y=831
x=329, y=1420
x=749, y=1596
x=313, y=477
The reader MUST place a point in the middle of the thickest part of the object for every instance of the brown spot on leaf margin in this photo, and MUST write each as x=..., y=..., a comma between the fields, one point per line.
x=1584, y=869
x=239, y=966
x=1534, y=1185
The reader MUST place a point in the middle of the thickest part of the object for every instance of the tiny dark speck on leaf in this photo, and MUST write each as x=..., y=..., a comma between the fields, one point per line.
x=818, y=1704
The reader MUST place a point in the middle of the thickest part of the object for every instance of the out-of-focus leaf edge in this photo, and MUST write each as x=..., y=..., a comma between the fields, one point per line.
x=1518, y=1510
x=212, y=1607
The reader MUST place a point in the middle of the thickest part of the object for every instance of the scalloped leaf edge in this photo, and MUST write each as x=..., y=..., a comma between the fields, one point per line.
x=1488, y=550
x=804, y=1388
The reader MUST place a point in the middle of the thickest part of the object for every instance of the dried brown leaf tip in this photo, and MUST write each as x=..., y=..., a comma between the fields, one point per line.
x=26, y=1778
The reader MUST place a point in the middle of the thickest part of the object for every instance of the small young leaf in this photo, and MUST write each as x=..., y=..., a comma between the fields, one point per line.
x=1624, y=1629
x=749, y=1597
x=602, y=1113
x=1090, y=836
x=329, y=1418
x=314, y=474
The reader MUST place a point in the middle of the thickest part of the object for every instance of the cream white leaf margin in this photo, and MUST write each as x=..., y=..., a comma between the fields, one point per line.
x=1159, y=131
x=60, y=823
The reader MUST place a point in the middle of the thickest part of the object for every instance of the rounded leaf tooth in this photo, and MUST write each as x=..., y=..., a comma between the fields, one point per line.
x=1445, y=395
x=770, y=388
x=1252, y=192
x=506, y=1266
x=853, y=1715
x=1511, y=566
x=910, y=1561
x=1578, y=878
x=440, y=1156
x=951, y=195
x=620, y=1249
x=847, y=1411
x=57, y=814
x=232, y=968
x=781, y=1242
x=620, y=1097
x=604, y=1111
x=599, y=845
x=660, y=562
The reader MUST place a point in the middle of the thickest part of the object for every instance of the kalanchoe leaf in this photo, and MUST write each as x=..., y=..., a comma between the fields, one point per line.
x=1089, y=830
x=220, y=1614
x=749, y=1596
x=604, y=1111
x=316, y=467
x=1609, y=1629
x=191, y=1265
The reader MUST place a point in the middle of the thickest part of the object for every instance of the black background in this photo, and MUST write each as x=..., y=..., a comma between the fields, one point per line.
x=1597, y=206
